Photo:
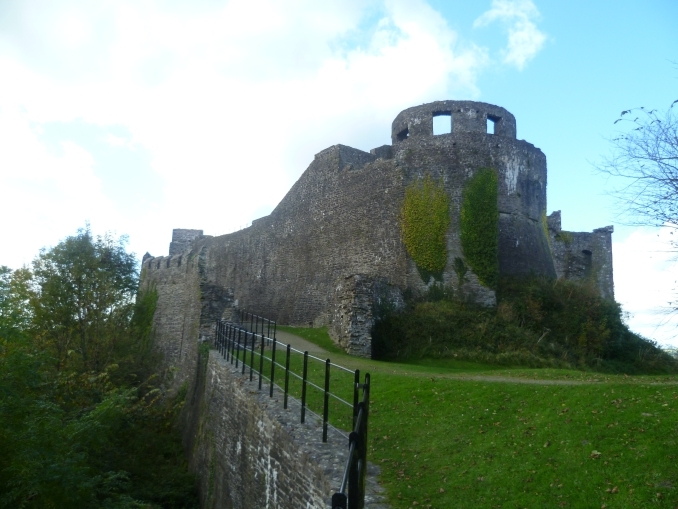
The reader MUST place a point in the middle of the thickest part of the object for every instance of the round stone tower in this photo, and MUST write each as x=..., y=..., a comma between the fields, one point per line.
x=452, y=140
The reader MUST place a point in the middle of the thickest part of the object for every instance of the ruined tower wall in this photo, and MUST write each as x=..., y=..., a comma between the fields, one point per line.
x=457, y=156
x=340, y=219
x=177, y=315
x=331, y=252
x=583, y=256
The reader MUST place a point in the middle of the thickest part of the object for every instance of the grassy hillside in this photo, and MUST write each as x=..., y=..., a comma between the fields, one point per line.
x=457, y=434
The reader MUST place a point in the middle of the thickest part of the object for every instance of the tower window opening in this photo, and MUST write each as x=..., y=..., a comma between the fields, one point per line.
x=404, y=134
x=492, y=124
x=168, y=263
x=442, y=122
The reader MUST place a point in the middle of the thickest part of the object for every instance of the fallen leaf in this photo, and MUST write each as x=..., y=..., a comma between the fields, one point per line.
x=548, y=442
x=595, y=455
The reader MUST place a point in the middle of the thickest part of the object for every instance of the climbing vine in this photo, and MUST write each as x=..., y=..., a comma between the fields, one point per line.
x=545, y=229
x=480, y=226
x=425, y=219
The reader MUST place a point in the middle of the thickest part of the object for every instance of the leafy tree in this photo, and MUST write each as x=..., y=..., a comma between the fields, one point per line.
x=89, y=430
x=85, y=288
x=15, y=295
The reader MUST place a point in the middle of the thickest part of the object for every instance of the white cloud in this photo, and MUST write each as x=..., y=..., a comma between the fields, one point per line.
x=645, y=272
x=524, y=38
x=231, y=100
x=45, y=196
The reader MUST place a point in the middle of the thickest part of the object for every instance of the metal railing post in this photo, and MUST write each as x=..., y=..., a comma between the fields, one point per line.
x=222, y=338
x=339, y=501
x=356, y=388
x=354, y=472
x=261, y=356
x=326, y=403
x=287, y=376
x=270, y=390
x=244, y=353
x=227, y=343
x=303, y=388
x=252, y=358
x=363, y=439
x=236, y=346
x=268, y=334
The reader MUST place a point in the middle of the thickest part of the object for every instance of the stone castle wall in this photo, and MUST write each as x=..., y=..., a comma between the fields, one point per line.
x=583, y=256
x=331, y=252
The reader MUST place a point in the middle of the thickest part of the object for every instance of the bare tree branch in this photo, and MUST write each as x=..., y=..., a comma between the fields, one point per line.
x=645, y=162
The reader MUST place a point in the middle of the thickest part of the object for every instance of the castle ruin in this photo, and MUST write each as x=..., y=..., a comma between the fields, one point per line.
x=331, y=252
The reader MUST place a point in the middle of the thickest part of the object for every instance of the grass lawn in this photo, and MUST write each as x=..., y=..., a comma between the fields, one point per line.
x=451, y=434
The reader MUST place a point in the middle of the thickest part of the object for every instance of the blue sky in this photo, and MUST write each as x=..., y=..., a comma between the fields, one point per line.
x=143, y=116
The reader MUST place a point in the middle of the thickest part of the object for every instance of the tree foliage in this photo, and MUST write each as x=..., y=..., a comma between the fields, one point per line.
x=85, y=290
x=645, y=160
x=81, y=420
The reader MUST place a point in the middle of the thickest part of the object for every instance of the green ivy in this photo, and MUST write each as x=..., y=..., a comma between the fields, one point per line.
x=545, y=228
x=565, y=237
x=425, y=219
x=480, y=226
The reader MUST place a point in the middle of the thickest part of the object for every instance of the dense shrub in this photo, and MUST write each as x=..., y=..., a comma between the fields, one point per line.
x=538, y=322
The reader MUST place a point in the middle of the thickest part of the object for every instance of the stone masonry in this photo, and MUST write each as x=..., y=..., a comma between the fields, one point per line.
x=250, y=453
x=334, y=240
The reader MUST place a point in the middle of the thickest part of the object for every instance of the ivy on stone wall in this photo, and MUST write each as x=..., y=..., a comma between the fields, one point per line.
x=425, y=219
x=480, y=226
x=565, y=237
x=545, y=229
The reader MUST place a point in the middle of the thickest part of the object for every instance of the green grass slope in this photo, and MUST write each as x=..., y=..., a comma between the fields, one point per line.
x=449, y=433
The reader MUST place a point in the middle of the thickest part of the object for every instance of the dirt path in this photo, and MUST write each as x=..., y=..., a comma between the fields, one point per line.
x=302, y=345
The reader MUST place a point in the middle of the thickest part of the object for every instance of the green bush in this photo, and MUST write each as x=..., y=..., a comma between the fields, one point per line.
x=479, y=224
x=425, y=219
x=537, y=322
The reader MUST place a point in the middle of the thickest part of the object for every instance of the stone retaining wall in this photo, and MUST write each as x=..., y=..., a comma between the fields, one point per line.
x=250, y=453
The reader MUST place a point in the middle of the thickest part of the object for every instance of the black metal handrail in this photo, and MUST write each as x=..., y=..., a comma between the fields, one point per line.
x=353, y=480
x=236, y=343
x=230, y=338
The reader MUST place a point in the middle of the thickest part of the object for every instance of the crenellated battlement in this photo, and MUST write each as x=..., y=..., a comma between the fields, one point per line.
x=458, y=117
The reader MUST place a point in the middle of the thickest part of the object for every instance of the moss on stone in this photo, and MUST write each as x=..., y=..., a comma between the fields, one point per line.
x=480, y=226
